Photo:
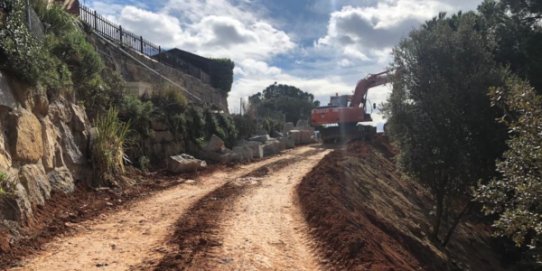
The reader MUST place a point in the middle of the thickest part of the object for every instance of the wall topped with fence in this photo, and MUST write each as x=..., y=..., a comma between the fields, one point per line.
x=115, y=32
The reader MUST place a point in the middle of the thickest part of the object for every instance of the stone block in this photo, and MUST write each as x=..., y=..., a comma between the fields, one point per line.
x=215, y=144
x=36, y=183
x=260, y=138
x=185, y=163
x=61, y=180
x=26, y=138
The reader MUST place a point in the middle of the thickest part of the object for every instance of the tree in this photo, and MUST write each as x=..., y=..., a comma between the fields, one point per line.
x=515, y=195
x=277, y=100
x=440, y=114
x=513, y=29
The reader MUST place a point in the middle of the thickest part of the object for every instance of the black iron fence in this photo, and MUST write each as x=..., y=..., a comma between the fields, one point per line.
x=116, y=33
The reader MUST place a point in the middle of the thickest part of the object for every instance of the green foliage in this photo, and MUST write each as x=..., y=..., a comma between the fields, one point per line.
x=20, y=53
x=246, y=125
x=282, y=100
x=221, y=72
x=170, y=99
x=100, y=92
x=221, y=125
x=138, y=113
x=62, y=58
x=440, y=113
x=108, y=148
x=516, y=37
x=80, y=56
x=271, y=126
x=515, y=195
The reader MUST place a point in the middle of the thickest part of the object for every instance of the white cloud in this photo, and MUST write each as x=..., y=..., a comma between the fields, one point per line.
x=369, y=32
x=210, y=28
x=357, y=41
x=152, y=26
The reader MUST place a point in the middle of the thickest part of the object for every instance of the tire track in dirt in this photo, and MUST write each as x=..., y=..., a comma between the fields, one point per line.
x=137, y=233
x=203, y=237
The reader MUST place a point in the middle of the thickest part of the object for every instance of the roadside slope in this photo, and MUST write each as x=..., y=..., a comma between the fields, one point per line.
x=365, y=216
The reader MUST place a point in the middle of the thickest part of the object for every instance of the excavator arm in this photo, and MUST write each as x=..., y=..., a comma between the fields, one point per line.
x=363, y=86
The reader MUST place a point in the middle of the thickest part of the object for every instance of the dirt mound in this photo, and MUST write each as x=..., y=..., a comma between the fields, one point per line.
x=366, y=216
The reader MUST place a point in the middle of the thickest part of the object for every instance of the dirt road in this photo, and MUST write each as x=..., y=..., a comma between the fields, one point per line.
x=263, y=231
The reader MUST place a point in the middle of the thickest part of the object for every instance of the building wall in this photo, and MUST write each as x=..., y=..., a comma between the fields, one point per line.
x=132, y=71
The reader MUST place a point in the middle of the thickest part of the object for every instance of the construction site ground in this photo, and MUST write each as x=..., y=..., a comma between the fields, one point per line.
x=310, y=208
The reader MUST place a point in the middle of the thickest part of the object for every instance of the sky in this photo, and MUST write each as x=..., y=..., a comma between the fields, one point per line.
x=320, y=46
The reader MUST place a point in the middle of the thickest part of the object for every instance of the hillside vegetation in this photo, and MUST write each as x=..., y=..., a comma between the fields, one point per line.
x=465, y=115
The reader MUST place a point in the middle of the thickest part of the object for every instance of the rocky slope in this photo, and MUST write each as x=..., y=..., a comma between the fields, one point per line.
x=43, y=148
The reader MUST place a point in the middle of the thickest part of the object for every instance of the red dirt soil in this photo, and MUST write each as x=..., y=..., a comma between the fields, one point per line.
x=197, y=231
x=62, y=211
x=365, y=216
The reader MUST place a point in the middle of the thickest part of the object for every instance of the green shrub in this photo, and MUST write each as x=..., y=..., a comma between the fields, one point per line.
x=170, y=99
x=56, y=20
x=20, y=53
x=246, y=126
x=108, y=148
x=100, y=92
x=139, y=113
x=221, y=72
x=80, y=56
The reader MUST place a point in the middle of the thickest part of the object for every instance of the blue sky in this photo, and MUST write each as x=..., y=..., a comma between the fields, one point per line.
x=320, y=46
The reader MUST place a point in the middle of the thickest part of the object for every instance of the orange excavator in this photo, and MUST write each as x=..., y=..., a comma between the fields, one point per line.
x=339, y=120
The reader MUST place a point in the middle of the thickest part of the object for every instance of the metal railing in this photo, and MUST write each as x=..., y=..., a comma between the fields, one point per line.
x=116, y=33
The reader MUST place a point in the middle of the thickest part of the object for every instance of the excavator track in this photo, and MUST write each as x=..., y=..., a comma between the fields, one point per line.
x=346, y=133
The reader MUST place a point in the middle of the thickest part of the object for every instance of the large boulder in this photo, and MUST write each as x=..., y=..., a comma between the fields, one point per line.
x=36, y=183
x=260, y=138
x=185, y=163
x=50, y=143
x=287, y=127
x=7, y=99
x=58, y=112
x=255, y=146
x=71, y=152
x=17, y=206
x=61, y=180
x=244, y=152
x=272, y=147
x=226, y=156
x=288, y=142
x=40, y=103
x=302, y=137
x=26, y=138
x=5, y=157
x=79, y=119
x=215, y=144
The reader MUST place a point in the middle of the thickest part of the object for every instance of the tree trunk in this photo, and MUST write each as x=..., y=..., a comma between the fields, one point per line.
x=456, y=222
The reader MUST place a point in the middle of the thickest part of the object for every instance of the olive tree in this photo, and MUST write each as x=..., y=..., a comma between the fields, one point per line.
x=440, y=114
